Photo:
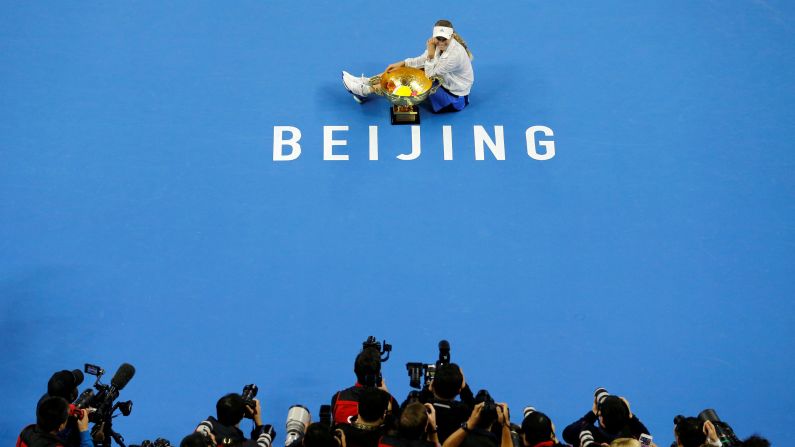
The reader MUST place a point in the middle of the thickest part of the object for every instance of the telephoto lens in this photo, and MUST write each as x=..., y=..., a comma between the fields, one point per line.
x=722, y=429
x=298, y=419
x=586, y=439
x=527, y=410
x=599, y=395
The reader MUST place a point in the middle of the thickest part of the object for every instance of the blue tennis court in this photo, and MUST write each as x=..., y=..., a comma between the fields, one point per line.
x=143, y=218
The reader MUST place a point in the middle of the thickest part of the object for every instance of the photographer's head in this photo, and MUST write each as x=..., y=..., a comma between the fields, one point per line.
x=230, y=409
x=689, y=432
x=447, y=382
x=373, y=403
x=614, y=415
x=318, y=435
x=367, y=367
x=537, y=428
x=413, y=421
x=625, y=442
x=52, y=414
x=196, y=439
x=64, y=384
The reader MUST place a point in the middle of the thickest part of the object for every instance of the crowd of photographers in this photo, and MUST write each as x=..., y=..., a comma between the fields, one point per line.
x=442, y=412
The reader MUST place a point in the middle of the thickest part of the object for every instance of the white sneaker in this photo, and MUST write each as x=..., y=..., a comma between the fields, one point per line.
x=359, y=87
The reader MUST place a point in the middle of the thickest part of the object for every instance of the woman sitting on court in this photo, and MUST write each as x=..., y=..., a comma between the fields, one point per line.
x=446, y=56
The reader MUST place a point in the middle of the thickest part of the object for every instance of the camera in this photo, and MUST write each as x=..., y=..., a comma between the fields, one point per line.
x=159, y=442
x=248, y=395
x=421, y=374
x=489, y=411
x=104, y=403
x=298, y=419
x=722, y=429
x=373, y=343
x=599, y=395
x=586, y=439
x=324, y=415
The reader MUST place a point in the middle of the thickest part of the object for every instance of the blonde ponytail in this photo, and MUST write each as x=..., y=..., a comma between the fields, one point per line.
x=460, y=40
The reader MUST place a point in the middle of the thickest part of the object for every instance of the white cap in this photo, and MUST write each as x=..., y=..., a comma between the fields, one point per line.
x=443, y=31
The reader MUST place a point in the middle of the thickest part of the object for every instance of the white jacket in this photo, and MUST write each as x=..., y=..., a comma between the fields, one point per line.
x=453, y=66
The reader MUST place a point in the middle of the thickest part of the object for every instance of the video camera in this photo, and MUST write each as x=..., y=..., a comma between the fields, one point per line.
x=103, y=402
x=425, y=372
x=373, y=343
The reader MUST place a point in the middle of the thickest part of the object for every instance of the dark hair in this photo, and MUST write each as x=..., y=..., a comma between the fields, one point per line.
x=194, y=439
x=448, y=381
x=63, y=384
x=615, y=415
x=51, y=413
x=373, y=403
x=367, y=366
x=318, y=435
x=756, y=441
x=690, y=432
x=230, y=409
x=536, y=428
x=413, y=420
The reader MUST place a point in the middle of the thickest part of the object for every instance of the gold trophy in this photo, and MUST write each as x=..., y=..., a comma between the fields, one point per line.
x=404, y=87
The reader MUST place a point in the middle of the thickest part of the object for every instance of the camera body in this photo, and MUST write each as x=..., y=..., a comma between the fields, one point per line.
x=489, y=411
x=421, y=374
x=722, y=429
x=159, y=442
x=249, y=393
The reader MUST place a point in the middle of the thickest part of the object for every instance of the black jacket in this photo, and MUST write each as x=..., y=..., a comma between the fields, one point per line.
x=393, y=441
x=33, y=436
x=571, y=434
x=479, y=437
x=231, y=435
x=450, y=414
x=359, y=437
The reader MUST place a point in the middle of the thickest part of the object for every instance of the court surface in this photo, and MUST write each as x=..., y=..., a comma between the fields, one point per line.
x=143, y=219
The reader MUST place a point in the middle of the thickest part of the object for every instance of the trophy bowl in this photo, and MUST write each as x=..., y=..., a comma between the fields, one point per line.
x=405, y=87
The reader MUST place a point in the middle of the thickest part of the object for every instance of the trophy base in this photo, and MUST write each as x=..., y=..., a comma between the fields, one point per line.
x=404, y=114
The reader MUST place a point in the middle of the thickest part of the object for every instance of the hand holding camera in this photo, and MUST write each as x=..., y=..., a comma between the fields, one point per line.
x=474, y=417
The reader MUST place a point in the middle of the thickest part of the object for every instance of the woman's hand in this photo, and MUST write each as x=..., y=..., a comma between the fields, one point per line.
x=394, y=66
x=431, y=47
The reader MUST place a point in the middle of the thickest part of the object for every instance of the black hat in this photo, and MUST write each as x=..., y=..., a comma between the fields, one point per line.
x=63, y=383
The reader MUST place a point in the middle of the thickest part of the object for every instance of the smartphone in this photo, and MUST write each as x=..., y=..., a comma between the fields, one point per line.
x=645, y=440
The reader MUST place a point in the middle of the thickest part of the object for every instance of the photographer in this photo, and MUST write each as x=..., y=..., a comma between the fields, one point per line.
x=478, y=430
x=224, y=428
x=538, y=430
x=447, y=384
x=52, y=415
x=318, y=435
x=416, y=428
x=64, y=384
x=367, y=367
x=367, y=427
x=615, y=421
